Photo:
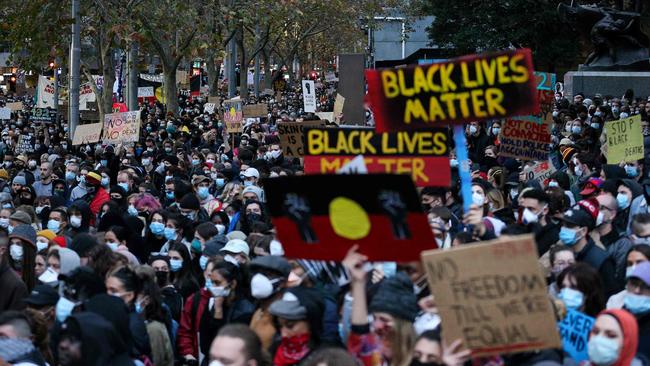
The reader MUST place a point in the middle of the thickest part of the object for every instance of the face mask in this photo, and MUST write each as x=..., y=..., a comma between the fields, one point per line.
x=41, y=245
x=598, y=113
x=624, y=115
x=168, y=149
x=529, y=217
x=495, y=130
x=63, y=309
x=75, y=221
x=190, y=215
x=113, y=245
x=568, y=236
x=158, y=228
x=553, y=184
x=161, y=278
x=578, y=171
x=169, y=195
x=106, y=182
x=146, y=162
x=478, y=199
x=622, y=201
x=175, y=265
x=595, y=126
x=453, y=163
x=4, y=223
x=7, y=205
x=219, y=291
x=203, y=262
x=576, y=130
x=602, y=350
x=636, y=304
x=53, y=225
x=276, y=154
x=39, y=209
x=16, y=252
x=262, y=286
x=10, y=229
x=473, y=130
x=252, y=217
x=248, y=183
x=571, y=298
x=70, y=176
x=196, y=246
x=103, y=162
x=170, y=233
x=132, y=210
x=196, y=162
x=221, y=229
x=203, y=192
x=124, y=186
x=631, y=171
x=208, y=284
x=138, y=307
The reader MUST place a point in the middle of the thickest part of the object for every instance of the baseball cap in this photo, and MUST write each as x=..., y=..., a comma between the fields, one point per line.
x=236, y=246
x=200, y=179
x=236, y=234
x=591, y=186
x=251, y=172
x=43, y=295
x=578, y=216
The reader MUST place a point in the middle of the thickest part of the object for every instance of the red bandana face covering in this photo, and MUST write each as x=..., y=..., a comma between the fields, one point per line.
x=292, y=350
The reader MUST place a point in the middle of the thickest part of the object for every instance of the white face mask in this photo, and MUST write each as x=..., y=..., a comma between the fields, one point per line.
x=261, y=286
x=16, y=252
x=41, y=245
x=478, y=199
x=75, y=221
x=220, y=228
x=529, y=217
x=219, y=291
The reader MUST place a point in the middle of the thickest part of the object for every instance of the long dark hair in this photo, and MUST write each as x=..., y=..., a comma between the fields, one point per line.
x=641, y=248
x=130, y=281
x=588, y=282
x=154, y=309
x=184, y=278
x=28, y=263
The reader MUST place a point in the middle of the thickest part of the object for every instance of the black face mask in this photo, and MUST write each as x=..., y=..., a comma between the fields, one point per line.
x=252, y=217
x=161, y=278
x=416, y=362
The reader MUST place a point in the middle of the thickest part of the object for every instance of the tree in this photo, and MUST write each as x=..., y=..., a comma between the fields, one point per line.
x=475, y=26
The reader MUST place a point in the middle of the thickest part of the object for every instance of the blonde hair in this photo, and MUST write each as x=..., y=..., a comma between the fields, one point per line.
x=496, y=197
x=402, y=342
x=227, y=189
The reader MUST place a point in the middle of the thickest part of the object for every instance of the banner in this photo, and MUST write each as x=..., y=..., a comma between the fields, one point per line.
x=5, y=113
x=255, y=110
x=159, y=78
x=494, y=308
x=624, y=140
x=309, y=96
x=330, y=77
x=574, y=330
x=146, y=92
x=25, y=144
x=232, y=116
x=379, y=212
x=15, y=106
x=539, y=172
x=121, y=127
x=525, y=140
x=421, y=154
x=86, y=95
x=120, y=108
x=45, y=93
x=43, y=115
x=292, y=136
x=87, y=134
x=469, y=88
x=209, y=108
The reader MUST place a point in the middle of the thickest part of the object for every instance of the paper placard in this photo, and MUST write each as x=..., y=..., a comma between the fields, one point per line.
x=15, y=106
x=121, y=127
x=291, y=136
x=624, y=140
x=25, y=144
x=43, y=115
x=209, y=108
x=232, y=116
x=500, y=306
x=339, y=102
x=574, y=330
x=525, y=140
x=309, y=95
x=146, y=92
x=255, y=110
x=5, y=113
x=87, y=134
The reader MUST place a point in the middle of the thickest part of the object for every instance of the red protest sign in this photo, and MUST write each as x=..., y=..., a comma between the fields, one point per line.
x=421, y=154
x=322, y=216
x=469, y=88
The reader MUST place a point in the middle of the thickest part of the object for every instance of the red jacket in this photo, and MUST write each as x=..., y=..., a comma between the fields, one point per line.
x=101, y=197
x=188, y=341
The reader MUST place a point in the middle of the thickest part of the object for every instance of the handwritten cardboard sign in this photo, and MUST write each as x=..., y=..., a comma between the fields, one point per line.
x=380, y=212
x=86, y=134
x=494, y=308
x=525, y=140
x=15, y=106
x=624, y=140
x=25, y=144
x=574, y=330
x=469, y=88
x=291, y=136
x=233, y=116
x=255, y=110
x=121, y=127
x=423, y=155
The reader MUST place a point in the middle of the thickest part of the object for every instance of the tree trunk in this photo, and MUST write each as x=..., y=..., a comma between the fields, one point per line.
x=268, y=80
x=171, y=92
x=243, y=68
x=108, y=72
x=213, y=74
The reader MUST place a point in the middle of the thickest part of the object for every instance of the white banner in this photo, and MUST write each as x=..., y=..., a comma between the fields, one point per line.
x=86, y=94
x=5, y=113
x=145, y=92
x=45, y=93
x=155, y=78
x=209, y=108
x=309, y=95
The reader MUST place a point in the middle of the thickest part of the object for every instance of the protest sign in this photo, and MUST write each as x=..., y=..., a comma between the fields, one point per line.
x=209, y=108
x=215, y=100
x=469, y=88
x=624, y=140
x=421, y=154
x=233, y=116
x=330, y=77
x=327, y=116
x=309, y=95
x=539, y=172
x=86, y=134
x=292, y=136
x=339, y=102
x=146, y=92
x=255, y=110
x=25, y=144
x=121, y=127
x=5, y=113
x=45, y=92
x=120, y=108
x=379, y=212
x=43, y=115
x=494, y=308
x=524, y=140
x=574, y=330
x=15, y=106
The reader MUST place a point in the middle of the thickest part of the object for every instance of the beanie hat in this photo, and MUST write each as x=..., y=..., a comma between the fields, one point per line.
x=24, y=232
x=256, y=190
x=567, y=154
x=82, y=243
x=190, y=202
x=395, y=296
x=60, y=241
x=642, y=272
x=69, y=260
x=214, y=245
x=22, y=217
x=93, y=178
x=49, y=234
x=20, y=179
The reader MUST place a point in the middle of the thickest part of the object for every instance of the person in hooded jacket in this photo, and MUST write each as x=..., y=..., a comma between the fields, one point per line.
x=637, y=302
x=96, y=195
x=627, y=191
x=613, y=340
x=79, y=216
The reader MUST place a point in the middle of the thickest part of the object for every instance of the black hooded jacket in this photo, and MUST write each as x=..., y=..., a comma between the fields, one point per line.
x=101, y=344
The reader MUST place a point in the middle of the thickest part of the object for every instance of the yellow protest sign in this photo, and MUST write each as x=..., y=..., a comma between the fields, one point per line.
x=624, y=140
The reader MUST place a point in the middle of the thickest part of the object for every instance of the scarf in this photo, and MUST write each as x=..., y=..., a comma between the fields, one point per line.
x=292, y=350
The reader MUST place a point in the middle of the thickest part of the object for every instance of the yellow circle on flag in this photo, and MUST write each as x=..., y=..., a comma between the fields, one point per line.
x=348, y=219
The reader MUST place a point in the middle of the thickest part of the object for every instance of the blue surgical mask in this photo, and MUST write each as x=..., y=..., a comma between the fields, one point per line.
x=568, y=236
x=602, y=350
x=53, y=225
x=113, y=245
x=103, y=162
x=132, y=210
x=125, y=186
x=473, y=129
x=622, y=201
x=571, y=298
x=63, y=309
x=138, y=308
x=106, y=182
x=203, y=262
x=196, y=162
x=169, y=195
x=196, y=245
x=70, y=176
x=595, y=125
x=631, y=171
x=553, y=184
x=248, y=183
x=220, y=182
x=628, y=271
x=576, y=130
x=158, y=228
x=203, y=192
x=170, y=233
x=175, y=265
x=636, y=304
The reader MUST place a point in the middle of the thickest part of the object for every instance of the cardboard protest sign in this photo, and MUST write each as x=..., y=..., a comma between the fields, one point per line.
x=327, y=116
x=380, y=212
x=339, y=102
x=525, y=140
x=215, y=100
x=146, y=92
x=121, y=127
x=574, y=330
x=539, y=172
x=209, y=108
x=86, y=134
x=233, y=116
x=309, y=96
x=624, y=140
x=469, y=88
x=25, y=144
x=43, y=115
x=15, y=106
x=292, y=136
x=5, y=113
x=421, y=154
x=255, y=110
x=500, y=306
